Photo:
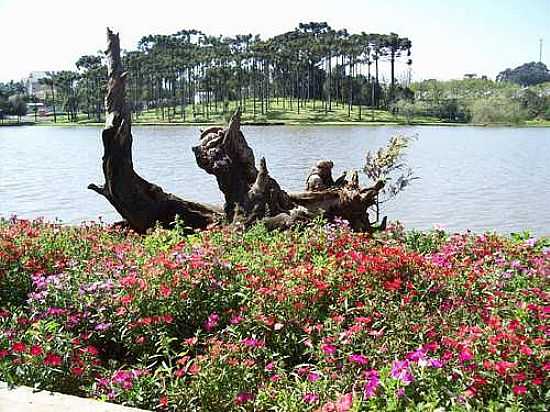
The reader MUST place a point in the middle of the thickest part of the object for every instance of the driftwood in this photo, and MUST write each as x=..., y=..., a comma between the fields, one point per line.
x=251, y=194
x=140, y=203
x=225, y=154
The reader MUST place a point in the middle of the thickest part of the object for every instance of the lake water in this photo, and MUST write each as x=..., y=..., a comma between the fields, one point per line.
x=471, y=177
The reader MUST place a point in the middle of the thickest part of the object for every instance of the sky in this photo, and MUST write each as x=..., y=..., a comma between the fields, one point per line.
x=450, y=37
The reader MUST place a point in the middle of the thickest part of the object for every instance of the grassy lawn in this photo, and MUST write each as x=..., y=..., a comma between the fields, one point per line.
x=277, y=113
x=312, y=113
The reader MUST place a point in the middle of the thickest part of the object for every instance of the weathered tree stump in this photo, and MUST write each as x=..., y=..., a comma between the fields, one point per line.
x=251, y=194
x=140, y=203
x=226, y=154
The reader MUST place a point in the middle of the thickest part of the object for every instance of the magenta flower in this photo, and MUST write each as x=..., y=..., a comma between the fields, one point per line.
x=252, y=342
x=243, y=397
x=465, y=355
x=124, y=379
x=212, y=321
x=416, y=355
x=310, y=397
x=400, y=370
x=359, y=359
x=313, y=377
x=372, y=381
x=328, y=349
x=435, y=363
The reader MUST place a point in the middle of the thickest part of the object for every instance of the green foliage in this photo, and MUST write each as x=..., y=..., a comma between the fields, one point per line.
x=388, y=164
x=528, y=74
x=17, y=105
x=482, y=101
x=497, y=110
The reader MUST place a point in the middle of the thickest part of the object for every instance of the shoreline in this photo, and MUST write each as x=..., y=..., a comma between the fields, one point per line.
x=289, y=123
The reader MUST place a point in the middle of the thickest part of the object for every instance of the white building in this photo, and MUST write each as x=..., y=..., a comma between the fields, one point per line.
x=34, y=88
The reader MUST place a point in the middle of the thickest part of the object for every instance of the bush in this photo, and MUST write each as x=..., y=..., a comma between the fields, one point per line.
x=320, y=318
x=497, y=110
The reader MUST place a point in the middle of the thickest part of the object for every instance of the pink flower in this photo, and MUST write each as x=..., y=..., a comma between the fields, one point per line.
x=194, y=369
x=359, y=359
x=502, y=367
x=243, y=397
x=328, y=349
x=345, y=403
x=313, y=377
x=520, y=390
x=372, y=381
x=526, y=350
x=310, y=397
x=235, y=320
x=165, y=291
x=212, y=321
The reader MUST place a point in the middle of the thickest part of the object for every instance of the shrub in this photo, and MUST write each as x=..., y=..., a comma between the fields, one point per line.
x=497, y=110
x=317, y=319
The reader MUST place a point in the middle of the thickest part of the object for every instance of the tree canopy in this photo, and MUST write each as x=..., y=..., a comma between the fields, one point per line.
x=528, y=74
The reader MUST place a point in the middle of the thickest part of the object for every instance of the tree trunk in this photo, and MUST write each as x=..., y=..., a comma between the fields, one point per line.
x=140, y=203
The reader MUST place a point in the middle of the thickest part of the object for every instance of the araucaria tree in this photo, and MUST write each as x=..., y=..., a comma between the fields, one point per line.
x=191, y=75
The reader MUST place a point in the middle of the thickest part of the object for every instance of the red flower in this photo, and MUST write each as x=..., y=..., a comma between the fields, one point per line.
x=77, y=371
x=163, y=401
x=92, y=350
x=394, y=284
x=165, y=291
x=19, y=347
x=36, y=350
x=52, y=359
x=520, y=389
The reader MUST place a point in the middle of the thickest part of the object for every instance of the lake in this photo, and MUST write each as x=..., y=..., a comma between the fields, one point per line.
x=477, y=178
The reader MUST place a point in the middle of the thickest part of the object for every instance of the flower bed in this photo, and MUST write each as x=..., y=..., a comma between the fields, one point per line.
x=317, y=319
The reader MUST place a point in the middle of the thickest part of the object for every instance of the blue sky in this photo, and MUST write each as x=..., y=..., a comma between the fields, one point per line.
x=450, y=38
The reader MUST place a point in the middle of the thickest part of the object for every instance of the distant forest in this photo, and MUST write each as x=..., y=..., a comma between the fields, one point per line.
x=313, y=63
